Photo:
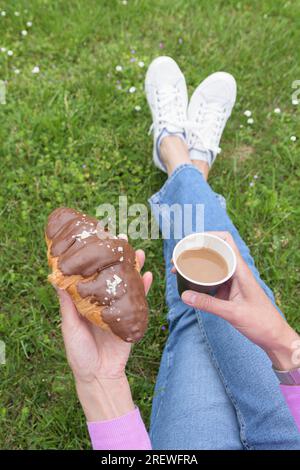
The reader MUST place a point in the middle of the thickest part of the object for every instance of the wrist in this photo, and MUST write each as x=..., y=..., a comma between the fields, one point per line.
x=285, y=352
x=105, y=398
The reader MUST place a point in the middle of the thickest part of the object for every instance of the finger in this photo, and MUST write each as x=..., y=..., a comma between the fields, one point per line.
x=221, y=234
x=67, y=308
x=227, y=237
x=247, y=284
x=123, y=236
x=173, y=269
x=208, y=303
x=224, y=291
x=140, y=254
x=147, y=280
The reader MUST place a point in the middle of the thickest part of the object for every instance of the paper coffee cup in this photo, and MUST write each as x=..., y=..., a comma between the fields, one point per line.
x=203, y=240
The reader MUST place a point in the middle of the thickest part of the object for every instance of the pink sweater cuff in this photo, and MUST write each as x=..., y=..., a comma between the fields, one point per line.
x=291, y=394
x=127, y=432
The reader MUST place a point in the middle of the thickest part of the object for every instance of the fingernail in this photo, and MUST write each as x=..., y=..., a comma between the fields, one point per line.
x=57, y=289
x=123, y=236
x=189, y=297
x=61, y=295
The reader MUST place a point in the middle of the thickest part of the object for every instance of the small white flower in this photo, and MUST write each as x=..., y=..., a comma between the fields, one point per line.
x=36, y=69
x=247, y=113
x=17, y=13
x=250, y=121
x=255, y=177
x=24, y=32
x=141, y=64
x=132, y=89
x=295, y=102
x=293, y=138
x=10, y=53
x=241, y=126
x=137, y=108
x=3, y=49
x=251, y=184
x=3, y=13
x=277, y=110
x=17, y=71
x=29, y=24
x=119, y=68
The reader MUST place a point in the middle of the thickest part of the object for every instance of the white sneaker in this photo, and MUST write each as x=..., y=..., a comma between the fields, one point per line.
x=167, y=97
x=208, y=111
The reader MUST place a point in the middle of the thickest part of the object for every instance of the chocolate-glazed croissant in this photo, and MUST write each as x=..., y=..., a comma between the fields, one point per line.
x=99, y=271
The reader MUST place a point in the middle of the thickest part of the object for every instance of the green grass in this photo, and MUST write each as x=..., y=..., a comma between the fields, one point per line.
x=69, y=136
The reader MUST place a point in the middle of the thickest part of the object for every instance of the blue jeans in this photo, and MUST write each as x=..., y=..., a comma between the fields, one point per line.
x=215, y=389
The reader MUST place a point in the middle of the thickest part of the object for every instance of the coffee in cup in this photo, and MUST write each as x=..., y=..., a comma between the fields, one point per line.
x=203, y=262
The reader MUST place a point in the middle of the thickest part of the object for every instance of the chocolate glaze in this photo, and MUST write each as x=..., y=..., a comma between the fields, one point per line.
x=84, y=247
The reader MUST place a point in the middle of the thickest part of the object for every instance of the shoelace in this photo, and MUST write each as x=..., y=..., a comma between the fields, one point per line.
x=206, y=131
x=170, y=109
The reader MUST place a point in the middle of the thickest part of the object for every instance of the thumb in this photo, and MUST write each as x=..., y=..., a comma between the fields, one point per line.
x=67, y=308
x=208, y=303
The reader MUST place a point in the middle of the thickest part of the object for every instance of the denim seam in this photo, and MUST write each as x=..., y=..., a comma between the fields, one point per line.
x=240, y=417
x=163, y=387
x=170, y=294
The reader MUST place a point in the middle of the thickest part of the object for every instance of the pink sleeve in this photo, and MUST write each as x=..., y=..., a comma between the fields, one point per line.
x=127, y=432
x=291, y=394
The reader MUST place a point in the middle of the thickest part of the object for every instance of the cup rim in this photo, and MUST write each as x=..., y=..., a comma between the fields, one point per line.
x=208, y=284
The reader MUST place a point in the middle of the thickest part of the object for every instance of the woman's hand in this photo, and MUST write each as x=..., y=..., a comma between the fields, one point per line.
x=244, y=304
x=98, y=359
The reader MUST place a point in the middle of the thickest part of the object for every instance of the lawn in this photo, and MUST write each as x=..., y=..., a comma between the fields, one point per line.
x=72, y=134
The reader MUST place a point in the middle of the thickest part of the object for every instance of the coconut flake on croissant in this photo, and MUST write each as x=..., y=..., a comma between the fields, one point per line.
x=99, y=271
